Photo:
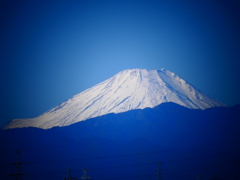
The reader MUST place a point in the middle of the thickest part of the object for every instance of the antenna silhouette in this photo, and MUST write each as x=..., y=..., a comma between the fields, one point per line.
x=18, y=164
x=85, y=174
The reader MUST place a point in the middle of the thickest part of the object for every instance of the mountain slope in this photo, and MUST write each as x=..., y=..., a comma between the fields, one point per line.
x=186, y=141
x=127, y=90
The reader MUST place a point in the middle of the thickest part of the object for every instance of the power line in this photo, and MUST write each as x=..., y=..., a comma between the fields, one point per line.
x=118, y=167
x=184, y=159
x=202, y=168
x=18, y=164
x=133, y=154
x=18, y=175
x=156, y=163
x=166, y=161
x=178, y=172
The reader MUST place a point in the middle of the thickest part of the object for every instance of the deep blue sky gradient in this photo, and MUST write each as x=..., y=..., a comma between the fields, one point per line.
x=52, y=50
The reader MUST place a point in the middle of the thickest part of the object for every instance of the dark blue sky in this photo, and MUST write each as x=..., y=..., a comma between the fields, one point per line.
x=52, y=50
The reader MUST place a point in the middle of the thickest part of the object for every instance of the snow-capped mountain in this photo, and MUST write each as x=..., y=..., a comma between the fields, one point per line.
x=127, y=90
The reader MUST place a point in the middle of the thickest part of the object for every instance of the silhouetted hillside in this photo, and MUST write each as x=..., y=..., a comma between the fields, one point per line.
x=187, y=142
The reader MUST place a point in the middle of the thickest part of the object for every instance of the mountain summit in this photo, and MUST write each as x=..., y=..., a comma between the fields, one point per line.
x=127, y=90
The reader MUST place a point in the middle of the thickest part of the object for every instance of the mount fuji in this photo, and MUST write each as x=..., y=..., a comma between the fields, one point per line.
x=129, y=89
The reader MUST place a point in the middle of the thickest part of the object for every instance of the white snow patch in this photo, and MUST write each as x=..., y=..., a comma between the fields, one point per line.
x=129, y=89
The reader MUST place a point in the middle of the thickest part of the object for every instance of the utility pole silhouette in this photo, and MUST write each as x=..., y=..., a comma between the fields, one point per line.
x=85, y=174
x=69, y=176
x=159, y=170
x=18, y=164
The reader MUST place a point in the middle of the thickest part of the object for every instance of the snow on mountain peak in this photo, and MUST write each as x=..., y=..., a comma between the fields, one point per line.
x=127, y=90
